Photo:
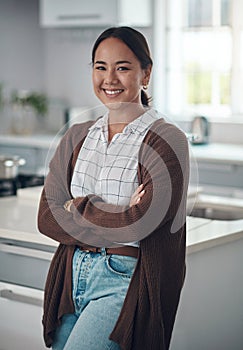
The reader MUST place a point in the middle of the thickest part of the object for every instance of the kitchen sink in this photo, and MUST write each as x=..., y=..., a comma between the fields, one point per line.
x=217, y=208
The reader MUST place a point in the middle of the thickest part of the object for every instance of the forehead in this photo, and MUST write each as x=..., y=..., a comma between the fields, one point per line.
x=114, y=49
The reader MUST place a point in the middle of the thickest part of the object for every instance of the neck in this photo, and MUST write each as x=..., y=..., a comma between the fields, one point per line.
x=120, y=118
x=126, y=114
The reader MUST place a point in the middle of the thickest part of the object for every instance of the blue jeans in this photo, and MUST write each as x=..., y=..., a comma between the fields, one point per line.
x=100, y=285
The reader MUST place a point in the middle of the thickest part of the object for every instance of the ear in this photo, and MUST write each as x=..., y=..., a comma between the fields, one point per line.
x=146, y=77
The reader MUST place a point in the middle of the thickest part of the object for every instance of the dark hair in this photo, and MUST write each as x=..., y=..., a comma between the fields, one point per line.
x=136, y=43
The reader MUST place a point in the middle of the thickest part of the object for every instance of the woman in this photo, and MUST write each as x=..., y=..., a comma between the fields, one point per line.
x=115, y=199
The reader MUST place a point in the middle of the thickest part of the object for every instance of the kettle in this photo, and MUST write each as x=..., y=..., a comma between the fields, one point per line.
x=200, y=130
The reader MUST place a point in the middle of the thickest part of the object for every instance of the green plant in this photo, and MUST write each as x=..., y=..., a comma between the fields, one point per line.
x=37, y=101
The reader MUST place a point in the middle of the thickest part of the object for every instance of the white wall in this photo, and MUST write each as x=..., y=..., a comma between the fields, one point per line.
x=54, y=60
x=67, y=57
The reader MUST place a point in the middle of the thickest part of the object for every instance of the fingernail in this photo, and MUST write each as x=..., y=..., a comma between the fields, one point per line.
x=142, y=192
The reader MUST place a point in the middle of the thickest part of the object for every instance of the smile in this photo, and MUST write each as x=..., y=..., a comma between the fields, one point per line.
x=113, y=92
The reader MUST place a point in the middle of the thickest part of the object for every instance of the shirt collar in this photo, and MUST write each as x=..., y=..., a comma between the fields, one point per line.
x=142, y=123
x=139, y=125
x=100, y=123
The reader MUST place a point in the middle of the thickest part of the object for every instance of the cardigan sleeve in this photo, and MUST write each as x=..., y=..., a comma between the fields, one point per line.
x=95, y=222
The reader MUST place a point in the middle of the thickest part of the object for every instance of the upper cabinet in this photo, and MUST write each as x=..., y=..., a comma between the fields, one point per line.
x=95, y=13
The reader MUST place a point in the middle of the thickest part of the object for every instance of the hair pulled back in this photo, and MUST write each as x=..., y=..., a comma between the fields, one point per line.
x=136, y=43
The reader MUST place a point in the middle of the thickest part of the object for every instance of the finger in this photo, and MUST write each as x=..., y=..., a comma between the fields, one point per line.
x=138, y=190
x=141, y=193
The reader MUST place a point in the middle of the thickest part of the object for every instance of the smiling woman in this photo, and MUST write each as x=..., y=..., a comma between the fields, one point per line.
x=117, y=81
x=115, y=199
x=116, y=77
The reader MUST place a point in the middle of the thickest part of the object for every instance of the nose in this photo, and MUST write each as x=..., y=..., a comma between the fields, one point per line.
x=110, y=77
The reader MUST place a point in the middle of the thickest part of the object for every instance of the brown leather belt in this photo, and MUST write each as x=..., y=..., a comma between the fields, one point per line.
x=126, y=250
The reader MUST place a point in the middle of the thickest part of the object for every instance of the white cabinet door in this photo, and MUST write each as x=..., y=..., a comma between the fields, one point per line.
x=95, y=13
x=137, y=13
x=71, y=13
x=21, y=315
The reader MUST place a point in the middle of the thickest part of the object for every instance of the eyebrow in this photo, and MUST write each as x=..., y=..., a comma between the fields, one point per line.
x=118, y=62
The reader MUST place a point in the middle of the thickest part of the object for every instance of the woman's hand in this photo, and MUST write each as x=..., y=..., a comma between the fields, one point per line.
x=67, y=205
x=137, y=195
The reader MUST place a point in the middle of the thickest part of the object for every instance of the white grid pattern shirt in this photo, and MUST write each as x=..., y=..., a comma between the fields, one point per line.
x=109, y=170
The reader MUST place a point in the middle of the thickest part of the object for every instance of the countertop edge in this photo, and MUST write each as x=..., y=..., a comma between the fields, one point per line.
x=213, y=242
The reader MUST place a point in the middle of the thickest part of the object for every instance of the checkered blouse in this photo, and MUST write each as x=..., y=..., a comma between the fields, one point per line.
x=109, y=170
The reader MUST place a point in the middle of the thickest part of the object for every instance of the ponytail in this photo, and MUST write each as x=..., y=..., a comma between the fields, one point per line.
x=145, y=99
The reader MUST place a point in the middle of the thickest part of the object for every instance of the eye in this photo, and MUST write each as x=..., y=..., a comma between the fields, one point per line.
x=122, y=68
x=100, y=68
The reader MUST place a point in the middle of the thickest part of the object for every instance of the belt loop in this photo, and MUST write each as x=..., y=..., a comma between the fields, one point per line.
x=103, y=251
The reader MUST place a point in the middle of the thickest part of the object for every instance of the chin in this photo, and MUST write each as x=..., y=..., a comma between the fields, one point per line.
x=113, y=106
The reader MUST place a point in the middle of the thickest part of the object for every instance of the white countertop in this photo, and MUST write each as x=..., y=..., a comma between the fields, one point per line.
x=39, y=141
x=18, y=222
x=218, y=153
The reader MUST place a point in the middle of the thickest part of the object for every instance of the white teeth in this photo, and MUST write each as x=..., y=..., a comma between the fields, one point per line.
x=112, y=92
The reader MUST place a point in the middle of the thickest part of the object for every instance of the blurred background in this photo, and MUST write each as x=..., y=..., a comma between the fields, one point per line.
x=197, y=47
x=197, y=83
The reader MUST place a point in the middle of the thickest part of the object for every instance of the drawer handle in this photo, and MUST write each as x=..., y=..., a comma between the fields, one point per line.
x=26, y=252
x=78, y=17
x=10, y=295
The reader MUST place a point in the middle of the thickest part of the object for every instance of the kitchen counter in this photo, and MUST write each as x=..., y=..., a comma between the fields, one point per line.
x=18, y=223
x=211, y=152
x=218, y=153
x=38, y=141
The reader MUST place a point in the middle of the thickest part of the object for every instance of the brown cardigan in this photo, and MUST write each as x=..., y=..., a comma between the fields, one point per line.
x=158, y=222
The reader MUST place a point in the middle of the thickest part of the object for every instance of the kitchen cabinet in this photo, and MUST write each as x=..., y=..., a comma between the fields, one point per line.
x=24, y=262
x=219, y=174
x=24, y=265
x=78, y=13
x=218, y=165
x=21, y=315
x=210, y=314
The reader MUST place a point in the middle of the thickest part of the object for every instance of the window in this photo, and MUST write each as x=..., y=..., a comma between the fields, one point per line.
x=204, y=70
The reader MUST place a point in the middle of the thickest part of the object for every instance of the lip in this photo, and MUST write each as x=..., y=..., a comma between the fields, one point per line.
x=111, y=93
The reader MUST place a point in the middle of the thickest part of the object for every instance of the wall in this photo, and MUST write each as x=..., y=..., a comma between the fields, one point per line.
x=54, y=60
x=67, y=64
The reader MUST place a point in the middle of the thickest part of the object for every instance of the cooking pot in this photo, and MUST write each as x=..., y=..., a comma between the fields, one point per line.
x=9, y=166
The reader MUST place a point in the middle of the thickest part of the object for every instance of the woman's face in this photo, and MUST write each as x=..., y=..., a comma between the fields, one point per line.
x=117, y=74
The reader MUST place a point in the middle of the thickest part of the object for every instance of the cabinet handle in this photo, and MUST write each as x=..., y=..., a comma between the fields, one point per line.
x=10, y=295
x=27, y=252
x=77, y=17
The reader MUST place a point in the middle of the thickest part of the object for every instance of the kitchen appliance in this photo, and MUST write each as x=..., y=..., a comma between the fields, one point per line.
x=9, y=187
x=200, y=130
x=9, y=166
x=11, y=179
